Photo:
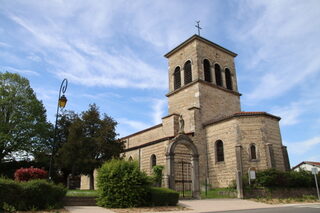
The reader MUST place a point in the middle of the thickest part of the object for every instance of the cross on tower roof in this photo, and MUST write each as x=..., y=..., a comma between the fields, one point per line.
x=198, y=26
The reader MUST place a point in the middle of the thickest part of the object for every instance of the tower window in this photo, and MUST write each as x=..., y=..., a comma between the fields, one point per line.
x=253, y=152
x=130, y=159
x=153, y=161
x=228, y=79
x=207, y=72
x=187, y=72
x=177, y=78
x=217, y=71
x=219, y=151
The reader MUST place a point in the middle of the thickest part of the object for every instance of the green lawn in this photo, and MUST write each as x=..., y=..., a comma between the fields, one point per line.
x=212, y=193
x=82, y=193
x=217, y=193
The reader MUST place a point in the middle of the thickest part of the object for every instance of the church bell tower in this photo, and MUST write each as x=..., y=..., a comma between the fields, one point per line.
x=202, y=78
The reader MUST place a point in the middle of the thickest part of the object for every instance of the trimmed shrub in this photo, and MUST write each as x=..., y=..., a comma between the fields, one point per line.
x=7, y=169
x=157, y=175
x=26, y=174
x=35, y=194
x=41, y=194
x=10, y=192
x=162, y=197
x=121, y=184
x=273, y=178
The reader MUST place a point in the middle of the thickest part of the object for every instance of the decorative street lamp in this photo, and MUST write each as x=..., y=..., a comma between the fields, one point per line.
x=62, y=101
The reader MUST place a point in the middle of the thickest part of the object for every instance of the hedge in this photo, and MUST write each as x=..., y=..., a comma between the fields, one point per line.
x=162, y=197
x=32, y=195
x=121, y=184
x=272, y=178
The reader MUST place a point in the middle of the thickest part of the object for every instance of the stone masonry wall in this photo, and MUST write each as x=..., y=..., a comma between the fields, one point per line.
x=221, y=174
x=178, y=59
x=182, y=101
x=215, y=55
x=145, y=136
x=216, y=103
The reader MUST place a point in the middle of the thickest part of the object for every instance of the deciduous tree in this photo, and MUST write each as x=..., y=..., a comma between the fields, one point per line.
x=23, y=123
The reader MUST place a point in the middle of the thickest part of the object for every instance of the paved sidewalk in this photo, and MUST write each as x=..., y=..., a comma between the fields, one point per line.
x=87, y=209
x=215, y=205
x=195, y=206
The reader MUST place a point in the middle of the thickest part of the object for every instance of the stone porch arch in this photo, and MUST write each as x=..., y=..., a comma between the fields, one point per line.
x=186, y=141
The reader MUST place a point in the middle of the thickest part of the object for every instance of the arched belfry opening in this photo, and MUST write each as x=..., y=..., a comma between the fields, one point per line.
x=182, y=161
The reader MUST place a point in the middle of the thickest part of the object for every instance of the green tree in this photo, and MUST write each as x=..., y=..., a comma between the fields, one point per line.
x=23, y=122
x=91, y=141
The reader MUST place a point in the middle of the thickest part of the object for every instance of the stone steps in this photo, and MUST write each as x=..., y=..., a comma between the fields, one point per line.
x=80, y=201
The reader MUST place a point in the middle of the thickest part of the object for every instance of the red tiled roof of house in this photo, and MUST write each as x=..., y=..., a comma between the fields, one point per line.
x=313, y=163
x=307, y=162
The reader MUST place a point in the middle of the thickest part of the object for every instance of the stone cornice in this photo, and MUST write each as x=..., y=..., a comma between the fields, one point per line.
x=154, y=142
x=203, y=82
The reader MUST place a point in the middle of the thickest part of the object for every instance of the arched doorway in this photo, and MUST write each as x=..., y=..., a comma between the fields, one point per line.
x=172, y=165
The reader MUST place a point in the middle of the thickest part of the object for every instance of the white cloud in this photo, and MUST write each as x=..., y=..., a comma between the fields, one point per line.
x=282, y=40
x=2, y=44
x=20, y=71
x=291, y=113
x=101, y=95
x=84, y=63
x=302, y=147
x=136, y=125
x=158, y=110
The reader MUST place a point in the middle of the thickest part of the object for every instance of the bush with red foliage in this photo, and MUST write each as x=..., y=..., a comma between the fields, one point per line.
x=26, y=174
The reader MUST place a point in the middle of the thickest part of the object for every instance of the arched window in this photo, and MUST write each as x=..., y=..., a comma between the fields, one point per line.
x=253, y=152
x=217, y=71
x=219, y=151
x=130, y=159
x=187, y=72
x=153, y=161
x=206, y=68
x=177, y=78
x=228, y=79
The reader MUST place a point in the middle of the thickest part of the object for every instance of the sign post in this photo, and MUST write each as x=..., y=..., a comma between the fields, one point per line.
x=315, y=172
x=251, y=174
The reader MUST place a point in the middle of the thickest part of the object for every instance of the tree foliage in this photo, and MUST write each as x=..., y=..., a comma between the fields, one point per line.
x=91, y=141
x=23, y=123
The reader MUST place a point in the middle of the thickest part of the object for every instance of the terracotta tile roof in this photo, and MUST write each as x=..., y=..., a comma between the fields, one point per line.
x=307, y=162
x=312, y=163
x=249, y=113
x=240, y=114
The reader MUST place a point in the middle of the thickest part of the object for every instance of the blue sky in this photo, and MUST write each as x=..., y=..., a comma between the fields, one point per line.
x=111, y=52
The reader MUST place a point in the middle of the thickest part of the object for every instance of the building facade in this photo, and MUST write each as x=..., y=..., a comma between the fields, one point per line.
x=307, y=166
x=206, y=139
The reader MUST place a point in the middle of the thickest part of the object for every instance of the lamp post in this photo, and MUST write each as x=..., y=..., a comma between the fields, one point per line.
x=62, y=101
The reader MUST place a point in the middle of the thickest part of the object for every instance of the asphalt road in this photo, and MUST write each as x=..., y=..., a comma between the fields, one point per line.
x=309, y=208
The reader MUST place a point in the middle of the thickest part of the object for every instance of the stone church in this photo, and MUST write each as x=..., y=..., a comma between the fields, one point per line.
x=206, y=140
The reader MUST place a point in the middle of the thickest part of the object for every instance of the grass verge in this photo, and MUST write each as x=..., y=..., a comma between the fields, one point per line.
x=82, y=193
x=304, y=199
x=218, y=193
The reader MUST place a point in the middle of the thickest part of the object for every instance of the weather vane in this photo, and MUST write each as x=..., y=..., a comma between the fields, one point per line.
x=198, y=26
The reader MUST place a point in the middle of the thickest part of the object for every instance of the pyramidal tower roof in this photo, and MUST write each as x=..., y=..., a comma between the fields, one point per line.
x=197, y=37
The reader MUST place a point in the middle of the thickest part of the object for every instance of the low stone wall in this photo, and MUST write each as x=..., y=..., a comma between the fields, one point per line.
x=279, y=192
